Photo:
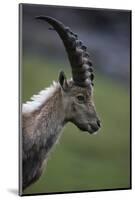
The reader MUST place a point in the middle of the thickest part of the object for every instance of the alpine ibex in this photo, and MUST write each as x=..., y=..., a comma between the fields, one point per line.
x=65, y=101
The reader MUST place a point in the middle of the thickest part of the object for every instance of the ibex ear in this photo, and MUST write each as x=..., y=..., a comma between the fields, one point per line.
x=63, y=80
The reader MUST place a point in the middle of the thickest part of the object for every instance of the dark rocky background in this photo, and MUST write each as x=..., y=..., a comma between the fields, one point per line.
x=105, y=32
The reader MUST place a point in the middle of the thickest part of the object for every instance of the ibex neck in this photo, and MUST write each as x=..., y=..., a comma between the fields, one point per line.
x=50, y=117
x=47, y=114
x=52, y=111
x=42, y=125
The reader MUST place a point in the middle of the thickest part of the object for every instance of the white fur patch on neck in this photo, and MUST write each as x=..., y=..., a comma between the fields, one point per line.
x=37, y=100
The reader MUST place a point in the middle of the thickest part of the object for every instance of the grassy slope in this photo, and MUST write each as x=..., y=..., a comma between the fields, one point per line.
x=81, y=161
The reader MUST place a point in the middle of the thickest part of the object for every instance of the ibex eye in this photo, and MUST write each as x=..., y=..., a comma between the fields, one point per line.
x=80, y=98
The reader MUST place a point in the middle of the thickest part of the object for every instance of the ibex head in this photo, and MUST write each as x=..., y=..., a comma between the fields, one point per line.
x=78, y=92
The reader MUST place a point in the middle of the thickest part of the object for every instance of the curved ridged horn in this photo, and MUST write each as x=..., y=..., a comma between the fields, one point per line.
x=77, y=54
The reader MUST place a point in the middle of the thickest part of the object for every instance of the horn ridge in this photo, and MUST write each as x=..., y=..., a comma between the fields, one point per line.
x=82, y=70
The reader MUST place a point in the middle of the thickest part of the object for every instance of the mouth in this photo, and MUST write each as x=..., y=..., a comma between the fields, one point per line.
x=92, y=129
x=88, y=128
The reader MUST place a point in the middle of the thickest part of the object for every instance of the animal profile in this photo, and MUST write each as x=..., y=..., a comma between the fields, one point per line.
x=44, y=116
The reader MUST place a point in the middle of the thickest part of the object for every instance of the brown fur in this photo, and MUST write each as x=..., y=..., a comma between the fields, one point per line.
x=42, y=127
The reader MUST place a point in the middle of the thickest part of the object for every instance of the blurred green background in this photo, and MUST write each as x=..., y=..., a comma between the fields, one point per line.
x=81, y=161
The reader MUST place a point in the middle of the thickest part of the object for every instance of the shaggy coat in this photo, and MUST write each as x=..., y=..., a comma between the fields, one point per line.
x=41, y=129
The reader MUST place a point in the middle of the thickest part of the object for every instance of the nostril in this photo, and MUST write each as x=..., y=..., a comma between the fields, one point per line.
x=99, y=123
